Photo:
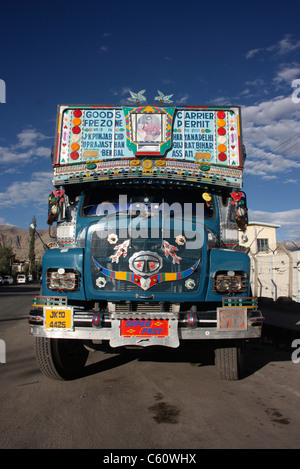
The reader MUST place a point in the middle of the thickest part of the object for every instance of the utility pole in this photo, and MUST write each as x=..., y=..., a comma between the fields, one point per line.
x=31, y=254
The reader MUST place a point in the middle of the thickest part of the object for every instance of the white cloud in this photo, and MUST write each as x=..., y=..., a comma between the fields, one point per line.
x=26, y=149
x=289, y=221
x=183, y=99
x=287, y=73
x=284, y=46
x=251, y=53
x=268, y=164
x=272, y=137
x=289, y=218
x=268, y=111
x=11, y=171
x=167, y=81
x=29, y=137
x=42, y=151
x=125, y=90
x=258, y=82
x=290, y=181
x=3, y=222
x=222, y=101
x=25, y=193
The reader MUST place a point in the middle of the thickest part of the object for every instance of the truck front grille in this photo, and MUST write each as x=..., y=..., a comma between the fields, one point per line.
x=140, y=307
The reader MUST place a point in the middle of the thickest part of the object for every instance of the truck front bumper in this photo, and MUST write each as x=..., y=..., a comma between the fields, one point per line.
x=53, y=318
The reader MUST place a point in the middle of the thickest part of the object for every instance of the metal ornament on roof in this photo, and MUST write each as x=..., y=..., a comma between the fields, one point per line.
x=163, y=98
x=139, y=97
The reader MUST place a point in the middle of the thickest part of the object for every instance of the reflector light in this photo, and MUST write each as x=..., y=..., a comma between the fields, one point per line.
x=62, y=281
x=97, y=319
x=192, y=320
x=74, y=155
x=77, y=113
x=222, y=156
x=225, y=282
x=76, y=121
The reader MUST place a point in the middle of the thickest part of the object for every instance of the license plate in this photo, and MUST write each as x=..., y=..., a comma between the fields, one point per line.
x=58, y=318
x=232, y=319
x=144, y=328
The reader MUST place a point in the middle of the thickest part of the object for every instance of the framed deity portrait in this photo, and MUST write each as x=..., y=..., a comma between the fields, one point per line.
x=148, y=128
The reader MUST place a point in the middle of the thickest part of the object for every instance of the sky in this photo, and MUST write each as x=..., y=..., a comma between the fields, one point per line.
x=204, y=53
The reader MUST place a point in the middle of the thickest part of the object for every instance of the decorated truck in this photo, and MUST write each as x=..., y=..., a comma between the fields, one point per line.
x=148, y=206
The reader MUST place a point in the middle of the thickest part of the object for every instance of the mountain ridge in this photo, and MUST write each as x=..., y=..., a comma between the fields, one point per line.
x=18, y=240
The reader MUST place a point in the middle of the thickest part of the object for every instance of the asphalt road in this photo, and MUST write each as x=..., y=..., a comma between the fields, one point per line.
x=143, y=400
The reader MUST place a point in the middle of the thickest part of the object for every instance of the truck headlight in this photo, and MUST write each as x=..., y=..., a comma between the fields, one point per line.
x=230, y=282
x=62, y=280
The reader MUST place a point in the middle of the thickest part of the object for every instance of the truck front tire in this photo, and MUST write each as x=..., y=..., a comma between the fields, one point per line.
x=61, y=359
x=229, y=360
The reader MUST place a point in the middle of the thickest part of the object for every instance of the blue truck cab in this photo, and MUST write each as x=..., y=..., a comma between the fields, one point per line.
x=148, y=206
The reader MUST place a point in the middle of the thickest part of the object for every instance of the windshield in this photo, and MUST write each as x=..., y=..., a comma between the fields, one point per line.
x=100, y=203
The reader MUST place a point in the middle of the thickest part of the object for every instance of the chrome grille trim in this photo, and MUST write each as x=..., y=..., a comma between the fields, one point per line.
x=146, y=315
x=139, y=307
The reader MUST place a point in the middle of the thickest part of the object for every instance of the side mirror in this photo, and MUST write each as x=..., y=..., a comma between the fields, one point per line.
x=241, y=210
x=55, y=200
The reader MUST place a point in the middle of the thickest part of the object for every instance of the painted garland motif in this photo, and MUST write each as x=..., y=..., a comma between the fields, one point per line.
x=146, y=283
x=169, y=250
x=121, y=249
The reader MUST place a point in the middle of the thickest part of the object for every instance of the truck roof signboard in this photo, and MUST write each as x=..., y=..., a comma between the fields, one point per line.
x=117, y=142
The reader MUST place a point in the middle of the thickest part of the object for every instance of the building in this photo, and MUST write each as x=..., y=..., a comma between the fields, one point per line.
x=275, y=268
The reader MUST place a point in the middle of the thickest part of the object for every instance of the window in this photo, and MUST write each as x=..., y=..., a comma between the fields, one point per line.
x=150, y=198
x=263, y=245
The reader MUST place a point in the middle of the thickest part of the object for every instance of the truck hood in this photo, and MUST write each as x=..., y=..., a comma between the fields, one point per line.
x=119, y=266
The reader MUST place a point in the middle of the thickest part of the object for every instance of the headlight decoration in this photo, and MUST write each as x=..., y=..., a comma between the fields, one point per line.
x=62, y=280
x=230, y=282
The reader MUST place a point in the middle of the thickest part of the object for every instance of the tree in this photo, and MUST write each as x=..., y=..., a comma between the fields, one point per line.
x=6, y=257
x=31, y=254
